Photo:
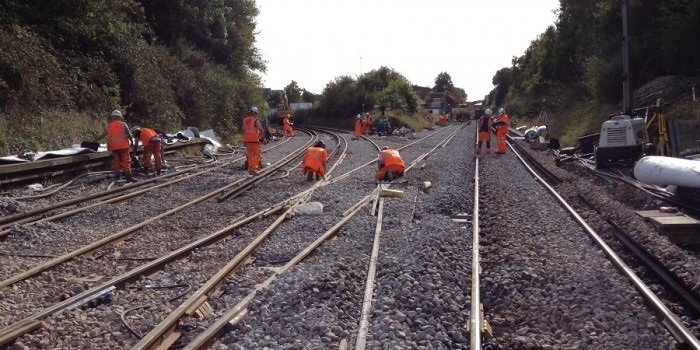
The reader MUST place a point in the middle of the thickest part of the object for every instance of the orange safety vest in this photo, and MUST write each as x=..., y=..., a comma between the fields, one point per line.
x=146, y=136
x=250, y=130
x=285, y=121
x=116, y=136
x=315, y=158
x=503, y=128
x=391, y=157
x=485, y=124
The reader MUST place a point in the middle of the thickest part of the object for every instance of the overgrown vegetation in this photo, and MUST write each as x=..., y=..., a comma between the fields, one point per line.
x=166, y=63
x=576, y=64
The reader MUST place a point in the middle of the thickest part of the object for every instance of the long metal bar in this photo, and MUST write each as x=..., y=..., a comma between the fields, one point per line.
x=123, y=233
x=141, y=270
x=671, y=320
x=475, y=318
x=231, y=315
x=363, y=328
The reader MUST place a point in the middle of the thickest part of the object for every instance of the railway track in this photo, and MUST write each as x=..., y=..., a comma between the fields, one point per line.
x=275, y=278
x=113, y=195
x=672, y=322
x=22, y=327
x=634, y=252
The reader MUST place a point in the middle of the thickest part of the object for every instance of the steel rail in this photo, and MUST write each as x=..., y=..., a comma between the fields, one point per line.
x=22, y=218
x=475, y=316
x=33, y=322
x=690, y=297
x=242, y=183
x=162, y=335
x=268, y=171
x=236, y=313
x=532, y=161
x=682, y=334
x=120, y=198
x=363, y=328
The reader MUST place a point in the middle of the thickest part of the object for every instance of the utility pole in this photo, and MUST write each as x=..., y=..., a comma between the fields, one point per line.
x=360, y=65
x=626, y=75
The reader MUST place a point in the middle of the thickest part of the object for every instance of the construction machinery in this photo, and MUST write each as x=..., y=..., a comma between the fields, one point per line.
x=622, y=141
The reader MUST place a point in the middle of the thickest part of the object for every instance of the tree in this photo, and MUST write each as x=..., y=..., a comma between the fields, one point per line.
x=307, y=96
x=461, y=93
x=400, y=95
x=443, y=82
x=293, y=92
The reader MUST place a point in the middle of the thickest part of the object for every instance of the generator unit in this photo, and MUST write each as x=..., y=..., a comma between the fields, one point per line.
x=623, y=140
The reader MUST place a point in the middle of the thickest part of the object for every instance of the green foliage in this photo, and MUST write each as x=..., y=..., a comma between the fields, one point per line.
x=578, y=60
x=293, y=92
x=307, y=96
x=165, y=63
x=399, y=94
x=341, y=99
x=443, y=82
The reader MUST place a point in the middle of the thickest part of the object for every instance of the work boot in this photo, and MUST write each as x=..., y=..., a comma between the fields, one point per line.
x=118, y=175
x=129, y=178
x=158, y=172
x=309, y=176
x=318, y=177
x=389, y=175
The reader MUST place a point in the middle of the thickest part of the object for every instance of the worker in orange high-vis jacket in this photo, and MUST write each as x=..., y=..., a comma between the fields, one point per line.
x=253, y=135
x=484, y=126
x=390, y=164
x=501, y=126
x=367, y=124
x=287, y=129
x=315, y=161
x=442, y=120
x=358, y=126
x=152, y=147
x=118, y=142
x=430, y=120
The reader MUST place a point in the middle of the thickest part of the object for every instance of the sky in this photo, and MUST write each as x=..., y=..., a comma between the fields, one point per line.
x=315, y=41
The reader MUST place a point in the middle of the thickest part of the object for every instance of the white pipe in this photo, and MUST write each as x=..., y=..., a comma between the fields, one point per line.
x=658, y=170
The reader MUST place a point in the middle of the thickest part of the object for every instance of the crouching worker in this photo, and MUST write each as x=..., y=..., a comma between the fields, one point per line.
x=152, y=147
x=315, y=161
x=391, y=166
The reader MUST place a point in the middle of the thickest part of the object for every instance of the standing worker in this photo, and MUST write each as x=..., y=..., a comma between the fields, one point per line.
x=390, y=165
x=152, y=146
x=287, y=126
x=315, y=161
x=442, y=120
x=501, y=126
x=368, y=124
x=358, y=126
x=253, y=134
x=118, y=142
x=430, y=119
x=484, y=128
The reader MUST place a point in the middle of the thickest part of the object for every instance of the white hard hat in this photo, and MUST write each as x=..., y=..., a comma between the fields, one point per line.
x=501, y=111
x=116, y=114
x=254, y=110
x=488, y=112
x=359, y=116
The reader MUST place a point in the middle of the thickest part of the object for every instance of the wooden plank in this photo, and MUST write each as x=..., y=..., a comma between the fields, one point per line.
x=653, y=213
x=675, y=221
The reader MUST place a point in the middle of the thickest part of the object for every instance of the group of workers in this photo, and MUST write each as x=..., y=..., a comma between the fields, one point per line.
x=120, y=139
x=486, y=125
x=363, y=125
x=390, y=164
